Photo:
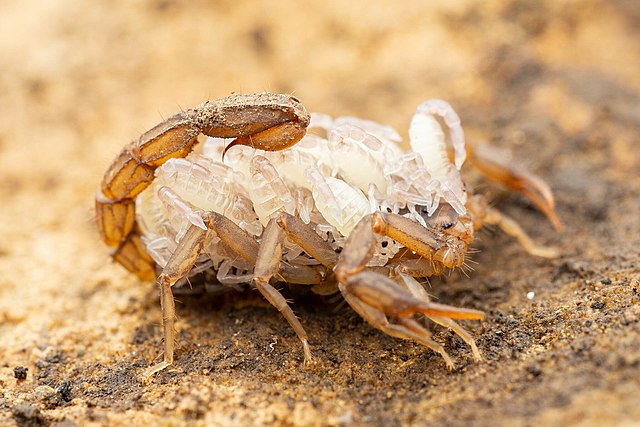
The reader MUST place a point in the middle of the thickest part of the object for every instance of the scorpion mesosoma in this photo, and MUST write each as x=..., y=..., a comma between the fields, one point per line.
x=343, y=209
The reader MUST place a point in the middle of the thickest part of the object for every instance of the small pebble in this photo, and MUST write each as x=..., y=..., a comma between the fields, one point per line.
x=598, y=305
x=20, y=372
x=65, y=391
x=531, y=295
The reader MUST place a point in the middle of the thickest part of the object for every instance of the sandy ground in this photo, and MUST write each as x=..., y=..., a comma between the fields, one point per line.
x=556, y=84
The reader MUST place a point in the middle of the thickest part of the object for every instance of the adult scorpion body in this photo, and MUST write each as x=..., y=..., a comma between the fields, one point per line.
x=343, y=209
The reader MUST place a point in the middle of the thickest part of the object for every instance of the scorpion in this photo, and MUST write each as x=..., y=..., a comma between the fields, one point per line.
x=342, y=209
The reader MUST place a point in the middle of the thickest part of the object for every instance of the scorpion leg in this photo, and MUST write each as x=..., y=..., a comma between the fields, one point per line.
x=177, y=267
x=512, y=228
x=245, y=246
x=516, y=178
x=267, y=260
x=379, y=299
x=185, y=256
x=305, y=236
x=268, y=266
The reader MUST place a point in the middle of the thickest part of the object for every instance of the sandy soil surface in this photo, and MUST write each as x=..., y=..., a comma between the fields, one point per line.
x=556, y=83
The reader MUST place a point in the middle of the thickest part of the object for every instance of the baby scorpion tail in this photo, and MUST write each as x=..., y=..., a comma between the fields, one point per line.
x=428, y=139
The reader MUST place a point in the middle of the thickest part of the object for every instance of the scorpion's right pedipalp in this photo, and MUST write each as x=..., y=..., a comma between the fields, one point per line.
x=417, y=267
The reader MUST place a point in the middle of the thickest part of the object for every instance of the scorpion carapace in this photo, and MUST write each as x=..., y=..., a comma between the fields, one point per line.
x=348, y=211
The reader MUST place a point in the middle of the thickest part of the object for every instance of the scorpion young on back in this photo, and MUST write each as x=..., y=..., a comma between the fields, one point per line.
x=343, y=209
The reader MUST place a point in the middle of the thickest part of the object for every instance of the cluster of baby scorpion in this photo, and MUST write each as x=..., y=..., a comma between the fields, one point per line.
x=342, y=209
x=331, y=181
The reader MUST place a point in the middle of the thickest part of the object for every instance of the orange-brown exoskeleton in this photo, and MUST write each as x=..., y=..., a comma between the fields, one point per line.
x=343, y=209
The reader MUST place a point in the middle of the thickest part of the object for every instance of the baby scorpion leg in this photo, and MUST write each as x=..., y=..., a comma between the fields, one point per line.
x=377, y=298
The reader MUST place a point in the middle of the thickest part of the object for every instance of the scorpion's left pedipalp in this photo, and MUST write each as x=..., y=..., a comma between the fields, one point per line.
x=244, y=245
x=406, y=328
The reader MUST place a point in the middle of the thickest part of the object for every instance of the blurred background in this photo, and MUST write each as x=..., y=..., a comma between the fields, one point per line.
x=556, y=83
